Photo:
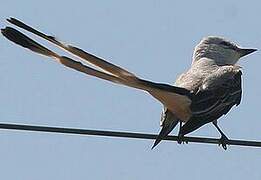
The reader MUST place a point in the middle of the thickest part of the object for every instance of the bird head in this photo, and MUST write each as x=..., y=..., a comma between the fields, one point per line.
x=222, y=51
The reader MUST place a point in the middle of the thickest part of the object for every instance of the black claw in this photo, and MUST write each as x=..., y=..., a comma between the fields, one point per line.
x=181, y=140
x=224, y=146
x=223, y=141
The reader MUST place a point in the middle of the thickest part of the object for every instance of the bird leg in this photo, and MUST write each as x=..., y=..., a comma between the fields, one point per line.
x=180, y=124
x=223, y=140
x=180, y=136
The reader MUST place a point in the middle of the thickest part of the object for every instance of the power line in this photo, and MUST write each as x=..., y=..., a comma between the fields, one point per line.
x=23, y=127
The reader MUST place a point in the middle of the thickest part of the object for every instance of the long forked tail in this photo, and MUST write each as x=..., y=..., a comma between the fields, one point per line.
x=171, y=96
x=108, y=67
x=24, y=41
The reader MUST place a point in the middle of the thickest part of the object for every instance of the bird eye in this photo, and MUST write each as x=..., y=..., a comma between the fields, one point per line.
x=225, y=43
x=228, y=45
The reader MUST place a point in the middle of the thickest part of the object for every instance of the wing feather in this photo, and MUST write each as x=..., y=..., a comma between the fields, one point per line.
x=213, y=102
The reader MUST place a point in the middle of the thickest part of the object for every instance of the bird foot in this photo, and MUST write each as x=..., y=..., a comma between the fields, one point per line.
x=181, y=140
x=223, y=141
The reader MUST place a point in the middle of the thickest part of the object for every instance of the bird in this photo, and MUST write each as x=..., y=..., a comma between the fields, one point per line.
x=201, y=95
x=214, y=79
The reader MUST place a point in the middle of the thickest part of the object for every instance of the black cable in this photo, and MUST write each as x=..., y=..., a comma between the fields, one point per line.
x=122, y=134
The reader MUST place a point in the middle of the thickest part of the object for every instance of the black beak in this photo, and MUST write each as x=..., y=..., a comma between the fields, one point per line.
x=245, y=52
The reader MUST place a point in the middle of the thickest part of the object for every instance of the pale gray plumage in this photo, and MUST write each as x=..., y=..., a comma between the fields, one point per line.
x=201, y=95
x=214, y=63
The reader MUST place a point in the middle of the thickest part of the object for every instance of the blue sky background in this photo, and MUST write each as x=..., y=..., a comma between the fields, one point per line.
x=153, y=39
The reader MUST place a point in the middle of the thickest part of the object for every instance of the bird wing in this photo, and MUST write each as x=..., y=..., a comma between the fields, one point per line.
x=217, y=95
x=175, y=98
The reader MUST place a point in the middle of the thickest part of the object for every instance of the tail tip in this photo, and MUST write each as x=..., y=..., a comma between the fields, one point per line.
x=3, y=30
x=10, y=19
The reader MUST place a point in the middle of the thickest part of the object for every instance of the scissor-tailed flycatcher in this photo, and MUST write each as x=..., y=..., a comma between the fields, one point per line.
x=208, y=90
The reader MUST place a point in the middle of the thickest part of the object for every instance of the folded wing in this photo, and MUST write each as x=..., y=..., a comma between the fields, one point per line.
x=223, y=92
